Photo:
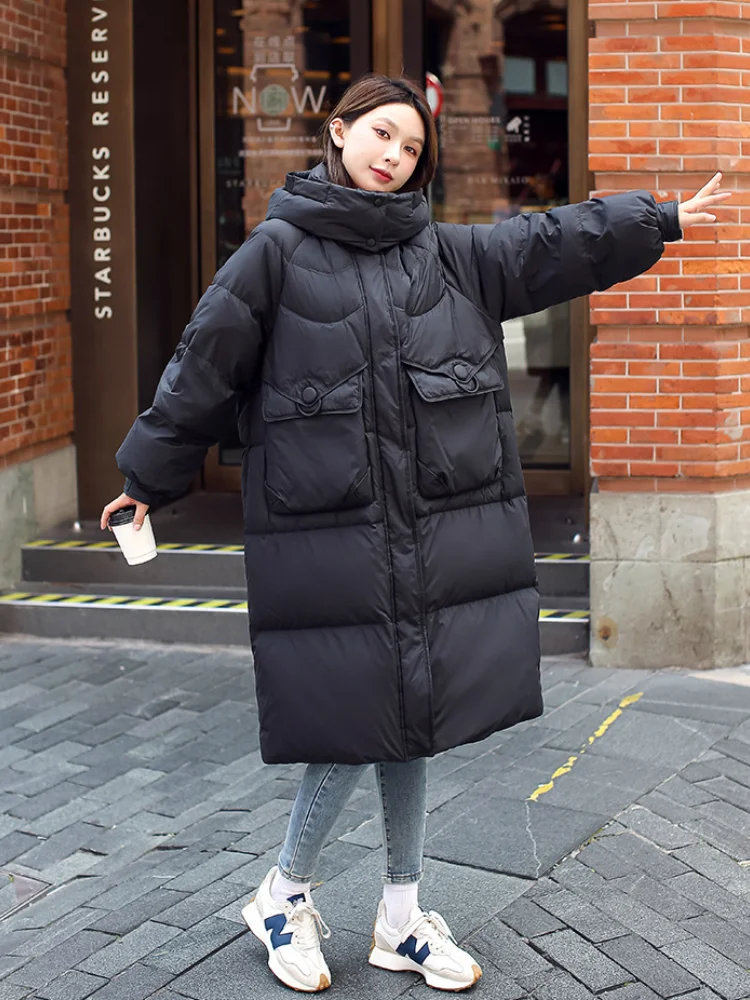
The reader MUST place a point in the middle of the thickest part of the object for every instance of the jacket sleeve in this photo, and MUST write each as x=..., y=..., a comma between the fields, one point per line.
x=539, y=259
x=214, y=362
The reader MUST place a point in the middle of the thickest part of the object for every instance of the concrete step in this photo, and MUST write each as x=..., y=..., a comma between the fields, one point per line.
x=565, y=574
x=80, y=561
x=95, y=614
x=197, y=617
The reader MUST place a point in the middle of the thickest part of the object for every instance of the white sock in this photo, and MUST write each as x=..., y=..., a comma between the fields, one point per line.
x=282, y=888
x=399, y=899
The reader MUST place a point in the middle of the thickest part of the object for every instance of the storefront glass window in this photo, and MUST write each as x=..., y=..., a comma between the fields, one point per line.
x=503, y=129
x=280, y=68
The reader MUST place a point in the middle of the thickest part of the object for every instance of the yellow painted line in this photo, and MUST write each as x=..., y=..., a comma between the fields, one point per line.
x=80, y=599
x=102, y=545
x=181, y=602
x=39, y=543
x=44, y=598
x=215, y=604
x=144, y=602
x=567, y=767
x=111, y=601
x=18, y=595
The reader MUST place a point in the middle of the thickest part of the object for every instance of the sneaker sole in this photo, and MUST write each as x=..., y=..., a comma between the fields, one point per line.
x=251, y=916
x=400, y=963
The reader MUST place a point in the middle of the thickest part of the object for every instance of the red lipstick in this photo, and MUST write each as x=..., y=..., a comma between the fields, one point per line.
x=383, y=174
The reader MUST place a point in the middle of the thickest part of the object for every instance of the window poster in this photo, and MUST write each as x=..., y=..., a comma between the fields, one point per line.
x=280, y=68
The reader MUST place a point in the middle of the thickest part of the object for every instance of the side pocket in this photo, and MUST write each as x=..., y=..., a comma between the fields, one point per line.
x=458, y=445
x=316, y=456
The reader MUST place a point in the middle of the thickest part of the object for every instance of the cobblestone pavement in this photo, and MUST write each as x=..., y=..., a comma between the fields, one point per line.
x=599, y=851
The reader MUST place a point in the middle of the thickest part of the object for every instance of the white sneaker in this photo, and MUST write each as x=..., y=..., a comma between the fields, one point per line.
x=424, y=944
x=291, y=932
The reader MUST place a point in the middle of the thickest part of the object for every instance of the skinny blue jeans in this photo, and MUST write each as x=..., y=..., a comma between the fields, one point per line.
x=323, y=793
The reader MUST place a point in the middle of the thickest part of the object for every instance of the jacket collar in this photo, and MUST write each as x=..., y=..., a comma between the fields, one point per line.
x=367, y=220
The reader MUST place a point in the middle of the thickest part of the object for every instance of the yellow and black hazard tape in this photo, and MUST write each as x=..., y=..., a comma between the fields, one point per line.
x=76, y=545
x=26, y=599
x=551, y=615
x=82, y=546
x=567, y=557
x=20, y=598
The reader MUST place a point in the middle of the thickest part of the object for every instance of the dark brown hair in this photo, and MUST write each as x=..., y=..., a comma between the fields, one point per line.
x=372, y=91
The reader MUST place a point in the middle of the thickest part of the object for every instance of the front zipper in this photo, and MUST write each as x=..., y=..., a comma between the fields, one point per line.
x=410, y=488
x=386, y=527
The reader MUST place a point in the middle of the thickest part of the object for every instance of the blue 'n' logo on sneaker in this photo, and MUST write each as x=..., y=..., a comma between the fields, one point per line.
x=276, y=925
x=408, y=949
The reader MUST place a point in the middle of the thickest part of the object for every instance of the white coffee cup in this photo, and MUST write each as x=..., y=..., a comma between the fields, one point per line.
x=137, y=546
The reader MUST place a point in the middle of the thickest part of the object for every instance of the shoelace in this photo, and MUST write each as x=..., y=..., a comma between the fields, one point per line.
x=309, y=924
x=434, y=928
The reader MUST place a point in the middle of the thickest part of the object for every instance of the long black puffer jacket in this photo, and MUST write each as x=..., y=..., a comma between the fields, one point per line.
x=391, y=582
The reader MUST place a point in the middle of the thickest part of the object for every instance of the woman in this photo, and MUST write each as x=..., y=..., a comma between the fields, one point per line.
x=390, y=570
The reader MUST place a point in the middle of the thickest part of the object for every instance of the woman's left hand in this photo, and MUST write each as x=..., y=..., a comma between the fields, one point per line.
x=693, y=212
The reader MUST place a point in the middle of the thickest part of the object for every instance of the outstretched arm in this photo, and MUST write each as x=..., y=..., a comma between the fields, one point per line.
x=538, y=259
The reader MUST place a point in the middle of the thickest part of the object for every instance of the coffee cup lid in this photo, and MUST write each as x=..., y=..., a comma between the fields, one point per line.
x=122, y=516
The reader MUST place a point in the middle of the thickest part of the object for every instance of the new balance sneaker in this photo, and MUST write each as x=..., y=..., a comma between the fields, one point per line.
x=425, y=945
x=291, y=931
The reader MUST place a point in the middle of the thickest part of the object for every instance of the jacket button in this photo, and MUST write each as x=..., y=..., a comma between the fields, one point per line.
x=461, y=372
x=371, y=242
x=309, y=395
x=378, y=202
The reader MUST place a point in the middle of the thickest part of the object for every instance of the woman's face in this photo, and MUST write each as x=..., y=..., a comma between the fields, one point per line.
x=382, y=147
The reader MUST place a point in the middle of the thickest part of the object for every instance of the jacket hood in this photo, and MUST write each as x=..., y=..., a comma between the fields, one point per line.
x=367, y=220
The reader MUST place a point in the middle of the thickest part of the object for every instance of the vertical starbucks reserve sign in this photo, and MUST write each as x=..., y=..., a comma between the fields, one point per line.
x=102, y=211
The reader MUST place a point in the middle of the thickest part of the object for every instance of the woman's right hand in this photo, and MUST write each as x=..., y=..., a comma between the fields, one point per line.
x=141, y=509
x=709, y=196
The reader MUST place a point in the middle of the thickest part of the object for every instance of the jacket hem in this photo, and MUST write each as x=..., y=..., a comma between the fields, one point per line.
x=136, y=492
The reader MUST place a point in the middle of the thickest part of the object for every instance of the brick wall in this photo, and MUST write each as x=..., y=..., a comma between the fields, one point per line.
x=670, y=366
x=36, y=401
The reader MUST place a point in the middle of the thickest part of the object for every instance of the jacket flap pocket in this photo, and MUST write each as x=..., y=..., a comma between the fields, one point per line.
x=309, y=398
x=456, y=377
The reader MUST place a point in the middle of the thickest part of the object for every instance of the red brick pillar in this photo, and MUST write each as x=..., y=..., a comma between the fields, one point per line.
x=670, y=364
x=36, y=404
